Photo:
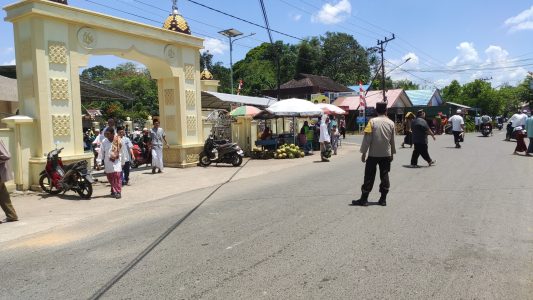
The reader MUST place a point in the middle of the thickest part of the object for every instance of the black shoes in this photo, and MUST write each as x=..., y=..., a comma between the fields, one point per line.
x=118, y=196
x=432, y=163
x=360, y=202
x=382, y=202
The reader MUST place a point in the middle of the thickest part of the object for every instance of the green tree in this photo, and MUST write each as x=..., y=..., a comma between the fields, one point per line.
x=343, y=59
x=525, y=90
x=453, y=92
x=509, y=98
x=309, y=57
x=96, y=73
x=480, y=94
x=257, y=70
x=405, y=84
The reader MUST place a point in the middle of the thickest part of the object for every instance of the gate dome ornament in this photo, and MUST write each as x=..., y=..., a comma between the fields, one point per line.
x=206, y=75
x=60, y=1
x=175, y=22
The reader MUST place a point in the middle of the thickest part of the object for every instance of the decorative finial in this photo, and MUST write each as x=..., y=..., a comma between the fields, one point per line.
x=175, y=22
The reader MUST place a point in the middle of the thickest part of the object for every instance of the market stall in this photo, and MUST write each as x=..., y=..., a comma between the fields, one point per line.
x=290, y=108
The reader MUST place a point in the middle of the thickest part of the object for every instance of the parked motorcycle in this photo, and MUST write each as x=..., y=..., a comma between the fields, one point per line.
x=486, y=130
x=57, y=178
x=221, y=151
x=138, y=158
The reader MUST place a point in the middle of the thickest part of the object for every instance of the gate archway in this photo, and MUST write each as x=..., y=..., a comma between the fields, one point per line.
x=52, y=42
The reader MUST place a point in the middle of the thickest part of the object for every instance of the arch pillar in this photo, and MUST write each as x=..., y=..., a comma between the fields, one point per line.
x=53, y=40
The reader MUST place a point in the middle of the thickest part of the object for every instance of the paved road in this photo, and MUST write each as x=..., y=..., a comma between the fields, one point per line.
x=460, y=230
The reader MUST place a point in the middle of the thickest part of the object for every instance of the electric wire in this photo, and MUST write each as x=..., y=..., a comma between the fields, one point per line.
x=244, y=20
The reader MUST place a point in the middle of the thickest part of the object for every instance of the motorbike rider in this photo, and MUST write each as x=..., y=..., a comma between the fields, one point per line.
x=486, y=120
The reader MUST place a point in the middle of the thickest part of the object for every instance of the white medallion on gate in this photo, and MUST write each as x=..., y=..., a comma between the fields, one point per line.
x=171, y=52
x=87, y=37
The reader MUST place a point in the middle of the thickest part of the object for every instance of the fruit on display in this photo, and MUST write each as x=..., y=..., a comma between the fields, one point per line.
x=288, y=151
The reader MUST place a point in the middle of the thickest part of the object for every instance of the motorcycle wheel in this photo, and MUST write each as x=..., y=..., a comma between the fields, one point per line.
x=47, y=186
x=237, y=160
x=85, y=189
x=204, y=160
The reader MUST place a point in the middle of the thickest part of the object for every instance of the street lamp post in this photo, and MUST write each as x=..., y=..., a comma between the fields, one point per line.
x=231, y=33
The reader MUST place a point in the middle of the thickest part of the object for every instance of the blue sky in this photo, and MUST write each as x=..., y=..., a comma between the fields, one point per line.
x=446, y=40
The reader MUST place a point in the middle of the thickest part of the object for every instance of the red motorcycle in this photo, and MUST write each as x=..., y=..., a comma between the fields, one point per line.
x=57, y=178
x=139, y=159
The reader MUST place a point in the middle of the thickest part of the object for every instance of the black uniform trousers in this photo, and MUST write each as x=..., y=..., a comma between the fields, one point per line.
x=420, y=149
x=370, y=174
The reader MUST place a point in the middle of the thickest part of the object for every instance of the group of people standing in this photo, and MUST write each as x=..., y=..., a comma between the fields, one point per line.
x=328, y=132
x=114, y=152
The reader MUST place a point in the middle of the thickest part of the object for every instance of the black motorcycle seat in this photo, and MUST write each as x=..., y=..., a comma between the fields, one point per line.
x=226, y=145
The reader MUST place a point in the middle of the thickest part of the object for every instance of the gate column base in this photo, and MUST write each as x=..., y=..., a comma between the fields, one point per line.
x=182, y=156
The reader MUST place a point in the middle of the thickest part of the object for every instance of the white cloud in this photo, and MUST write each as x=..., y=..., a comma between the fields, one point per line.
x=522, y=21
x=467, y=55
x=333, y=13
x=7, y=55
x=215, y=46
x=398, y=65
x=497, y=57
x=496, y=65
x=295, y=17
x=496, y=54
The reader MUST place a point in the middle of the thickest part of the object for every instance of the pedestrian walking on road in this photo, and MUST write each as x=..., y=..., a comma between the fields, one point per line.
x=342, y=127
x=157, y=135
x=421, y=131
x=6, y=175
x=126, y=157
x=520, y=143
x=109, y=156
x=458, y=127
x=378, y=141
x=529, y=130
x=408, y=140
x=335, y=136
x=308, y=133
x=324, y=140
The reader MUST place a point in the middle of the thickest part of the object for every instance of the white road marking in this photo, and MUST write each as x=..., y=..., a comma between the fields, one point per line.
x=234, y=245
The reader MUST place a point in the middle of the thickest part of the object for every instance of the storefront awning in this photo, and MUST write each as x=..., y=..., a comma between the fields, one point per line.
x=214, y=100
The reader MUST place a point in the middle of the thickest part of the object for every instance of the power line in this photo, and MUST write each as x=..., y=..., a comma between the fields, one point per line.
x=471, y=69
x=416, y=76
x=244, y=20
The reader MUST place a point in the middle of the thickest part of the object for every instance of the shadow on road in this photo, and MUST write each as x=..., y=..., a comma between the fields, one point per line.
x=369, y=204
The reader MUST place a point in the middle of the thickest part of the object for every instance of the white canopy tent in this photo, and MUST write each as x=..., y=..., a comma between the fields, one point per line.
x=294, y=108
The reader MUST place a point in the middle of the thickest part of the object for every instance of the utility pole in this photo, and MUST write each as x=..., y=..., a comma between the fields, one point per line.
x=382, y=51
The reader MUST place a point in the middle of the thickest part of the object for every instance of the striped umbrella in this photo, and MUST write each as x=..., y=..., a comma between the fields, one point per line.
x=245, y=111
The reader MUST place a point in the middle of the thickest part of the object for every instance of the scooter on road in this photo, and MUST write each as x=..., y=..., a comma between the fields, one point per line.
x=221, y=151
x=57, y=178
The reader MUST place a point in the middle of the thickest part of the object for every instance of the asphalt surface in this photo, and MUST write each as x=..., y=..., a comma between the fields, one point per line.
x=462, y=229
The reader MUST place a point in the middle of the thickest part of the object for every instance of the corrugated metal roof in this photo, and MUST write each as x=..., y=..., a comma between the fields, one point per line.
x=216, y=100
x=420, y=97
x=393, y=96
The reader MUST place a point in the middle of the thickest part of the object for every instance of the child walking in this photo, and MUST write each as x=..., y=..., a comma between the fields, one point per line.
x=109, y=156
x=335, y=136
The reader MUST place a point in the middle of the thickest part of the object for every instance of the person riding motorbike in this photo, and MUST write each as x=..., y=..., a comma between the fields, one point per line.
x=486, y=120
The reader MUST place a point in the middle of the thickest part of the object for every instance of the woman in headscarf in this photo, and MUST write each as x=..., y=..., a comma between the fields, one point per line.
x=520, y=143
x=408, y=131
